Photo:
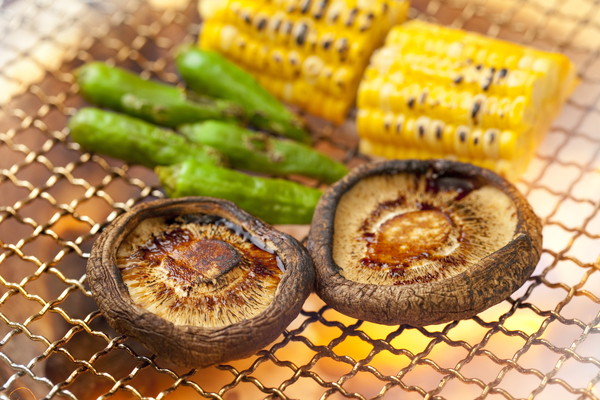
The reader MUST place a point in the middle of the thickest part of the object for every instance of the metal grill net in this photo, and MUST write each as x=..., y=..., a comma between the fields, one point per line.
x=543, y=342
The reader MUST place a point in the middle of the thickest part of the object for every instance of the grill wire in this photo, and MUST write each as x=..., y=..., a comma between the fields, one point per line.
x=543, y=342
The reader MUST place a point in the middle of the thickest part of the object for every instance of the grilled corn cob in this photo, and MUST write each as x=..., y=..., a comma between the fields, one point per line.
x=310, y=53
x=437, y=92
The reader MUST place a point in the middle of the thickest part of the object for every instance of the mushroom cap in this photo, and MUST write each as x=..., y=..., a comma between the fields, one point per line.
x=197, y=344
x=421, y=242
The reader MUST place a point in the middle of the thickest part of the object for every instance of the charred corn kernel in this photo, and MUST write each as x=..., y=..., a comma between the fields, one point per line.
x=555, y=70
x=436, y=138
x=461, y=74
x=459, y=95
x=321, y=47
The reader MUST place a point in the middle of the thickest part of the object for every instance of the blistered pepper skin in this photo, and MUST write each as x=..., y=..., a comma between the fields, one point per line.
x=155, y=102
x=276, y=201
x=259, y=152
x=135, y=141
x=210, y=74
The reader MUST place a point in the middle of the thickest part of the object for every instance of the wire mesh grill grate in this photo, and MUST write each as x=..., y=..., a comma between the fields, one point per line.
x=543, y=342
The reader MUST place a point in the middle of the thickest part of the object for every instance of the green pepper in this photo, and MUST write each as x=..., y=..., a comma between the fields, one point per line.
x=260, y=152
x=276, y=201
x=152, y=101
x=135, y=141
x=210, y=74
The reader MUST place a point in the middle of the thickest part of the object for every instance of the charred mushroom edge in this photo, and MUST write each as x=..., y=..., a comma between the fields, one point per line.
x=194, y=346
x=492, y=280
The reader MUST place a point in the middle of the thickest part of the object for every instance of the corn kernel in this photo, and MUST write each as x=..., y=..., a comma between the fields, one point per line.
x=331, y=40
x=460, y=95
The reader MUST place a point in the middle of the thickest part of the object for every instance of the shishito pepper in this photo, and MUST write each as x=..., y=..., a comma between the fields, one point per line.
x=152, y=101
x=135, y=141
x=276, y=201
x=209, y=73
x=259, y=152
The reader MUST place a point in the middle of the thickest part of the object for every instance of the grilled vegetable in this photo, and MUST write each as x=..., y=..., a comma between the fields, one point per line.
x=421, y=242
x=155, y=102
x=276, y=201
x=308, y=53
x=210, y=74
x=135, y=141
x=434, y=92
x=198, y=281
x=257, y=151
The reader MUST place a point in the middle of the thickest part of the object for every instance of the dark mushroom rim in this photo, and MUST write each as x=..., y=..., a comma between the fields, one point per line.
x=487, y=283
x=192, y=345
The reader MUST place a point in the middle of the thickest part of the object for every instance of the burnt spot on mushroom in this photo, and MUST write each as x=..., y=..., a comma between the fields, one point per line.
x=406, y=238
x=461, y=185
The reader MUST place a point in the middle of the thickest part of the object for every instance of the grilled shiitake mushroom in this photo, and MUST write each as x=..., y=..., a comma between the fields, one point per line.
x=198, y=280
x=421, y=242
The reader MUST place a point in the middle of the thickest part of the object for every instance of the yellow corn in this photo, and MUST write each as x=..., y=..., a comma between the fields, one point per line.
x=309, y=53
x=437, y=92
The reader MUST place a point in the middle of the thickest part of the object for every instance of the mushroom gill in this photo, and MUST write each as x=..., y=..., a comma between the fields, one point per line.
x=201, y=273
x=401, y=229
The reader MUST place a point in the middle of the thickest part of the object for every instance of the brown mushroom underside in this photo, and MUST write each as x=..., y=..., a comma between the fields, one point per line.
x=197, y=271
x=188, y=344
x=421, y=242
